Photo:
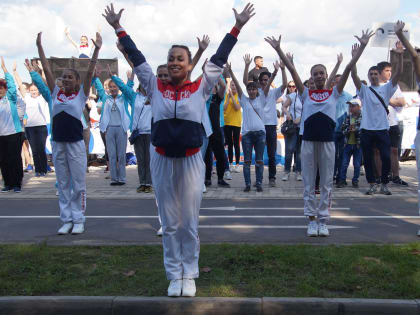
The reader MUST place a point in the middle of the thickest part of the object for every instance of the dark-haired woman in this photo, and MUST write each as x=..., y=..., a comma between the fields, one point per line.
x=317, y=127
x=176, y=163
x=68, y=148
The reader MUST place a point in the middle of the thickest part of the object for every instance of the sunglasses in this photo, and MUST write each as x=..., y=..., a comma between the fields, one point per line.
x=291, y=86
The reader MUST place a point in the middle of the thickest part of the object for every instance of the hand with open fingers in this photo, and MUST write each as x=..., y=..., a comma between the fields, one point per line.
x=111, y=17
x=399, y=48
x=354, y=49
x=38, y=39
x=366, y=35
x=290, y=57
x=35, y=65
x=247, y=59
x=340, y=58
x=204, y=43
x=28, y=65
x=275, y=43
x=243, y=17
x=399, y=26
x=98, y=41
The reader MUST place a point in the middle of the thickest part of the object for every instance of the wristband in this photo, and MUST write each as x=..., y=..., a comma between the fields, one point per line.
x=235, y=31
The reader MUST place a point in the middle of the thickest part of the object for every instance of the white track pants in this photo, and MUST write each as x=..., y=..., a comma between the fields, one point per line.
x=70, y=168
x=178, y=184
x=417, y=147
x=316, y=155
x=116, y=145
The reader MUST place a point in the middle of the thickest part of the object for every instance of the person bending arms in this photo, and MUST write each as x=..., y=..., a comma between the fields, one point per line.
x=176, y=164
x=317, y=127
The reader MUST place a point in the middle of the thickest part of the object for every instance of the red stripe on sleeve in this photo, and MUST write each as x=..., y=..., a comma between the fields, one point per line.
x=235, y=32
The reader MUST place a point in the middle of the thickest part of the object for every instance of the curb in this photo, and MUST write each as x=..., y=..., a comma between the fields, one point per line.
x=104, y=305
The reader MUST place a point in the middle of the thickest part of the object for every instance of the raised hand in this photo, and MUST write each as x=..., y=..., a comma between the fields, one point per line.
x=354, y=49
x=340, y=58
x=290, y=57
x=399, y=48
x=98, y=41
x=28, y=65
x=247, y=59
x=38, y=39
x=204, y=43
x=111, y=17
x=35, y=66
x=366, y=35
x=399, y=26
x=243, y=17
x=3, y=65
x=277, y=66
x=275, y=43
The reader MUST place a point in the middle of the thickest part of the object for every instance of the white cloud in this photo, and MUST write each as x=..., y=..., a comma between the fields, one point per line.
x=315, y=31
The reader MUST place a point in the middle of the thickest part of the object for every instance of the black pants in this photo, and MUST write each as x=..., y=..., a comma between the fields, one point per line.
x=104, y=141
x=215, y=146
x=232, y=134
x=271, y=142
x=11, y=160
x=37, y=137
x=380, y=138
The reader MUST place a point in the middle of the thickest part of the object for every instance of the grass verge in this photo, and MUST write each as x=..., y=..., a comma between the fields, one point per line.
x=359, y=271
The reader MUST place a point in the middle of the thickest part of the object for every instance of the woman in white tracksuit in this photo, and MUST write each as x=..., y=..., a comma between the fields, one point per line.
x=115, y=122
x=68, y=148
x=176, y=163
x=317, y=127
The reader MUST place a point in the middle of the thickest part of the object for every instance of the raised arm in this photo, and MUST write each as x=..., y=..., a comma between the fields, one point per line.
x=396, y=74
x=354, y=76
x=398, y=28
x=66, y=31
x=221, y=87
x=247, y=60
x=285, y=108
x=18, y=80
x=92, y=64
x=45, y=64
x=276, y=66
x=11, y=87
x=202, y=46
x=364, y=40
x=238, y=87
x=128, y=92
x=275, y=43
x=37, y=66
x=334, y=72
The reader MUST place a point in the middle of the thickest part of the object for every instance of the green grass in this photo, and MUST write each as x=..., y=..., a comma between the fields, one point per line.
x=360, y=271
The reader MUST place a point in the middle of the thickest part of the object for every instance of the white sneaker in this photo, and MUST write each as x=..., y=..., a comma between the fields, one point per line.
x=312, y=228
x=188, y=287
x=323, y=230
x=78, y=228
x=228, y=175
x=236, y=169
x=175, y=287
x=299, y=177
x=159, y=232
x=285, y=176
x=65, y=229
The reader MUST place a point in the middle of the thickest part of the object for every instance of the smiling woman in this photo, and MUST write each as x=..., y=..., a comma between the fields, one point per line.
x=176, y=163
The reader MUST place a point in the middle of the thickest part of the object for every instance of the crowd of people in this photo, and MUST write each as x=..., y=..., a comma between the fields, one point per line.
x=179, y=127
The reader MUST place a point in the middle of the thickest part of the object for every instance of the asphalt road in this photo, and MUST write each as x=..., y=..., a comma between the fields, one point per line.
x=118, y=222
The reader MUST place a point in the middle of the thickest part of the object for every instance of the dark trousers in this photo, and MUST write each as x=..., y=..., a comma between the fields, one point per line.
x=232, y=134
x=37, y=137
x=349, y=151
x=271, y=142
x=215, y=146
x=142, y=150
x=380, y=138
x=292, y=143
x=104, y=141
x=339, y=148
x=11, y=160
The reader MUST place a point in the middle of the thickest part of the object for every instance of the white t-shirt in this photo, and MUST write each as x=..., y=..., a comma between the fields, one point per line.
x=295, y=108
x=395, y=112
x=374, y=116
x=36, y=110
x=251, y=121
x=270, y=108
x=318, y=117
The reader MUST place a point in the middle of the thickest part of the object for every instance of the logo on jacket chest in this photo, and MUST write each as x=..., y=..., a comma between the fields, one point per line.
x=65, y=98
x=320, y=95
x=180, y=95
